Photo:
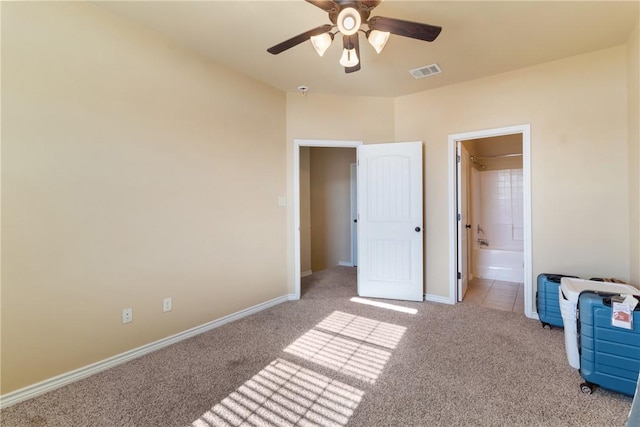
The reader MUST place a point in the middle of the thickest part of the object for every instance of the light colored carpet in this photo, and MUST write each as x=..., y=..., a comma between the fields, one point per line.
x=326, y=360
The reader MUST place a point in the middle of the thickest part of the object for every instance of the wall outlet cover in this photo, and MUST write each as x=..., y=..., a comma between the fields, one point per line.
x=127, y=315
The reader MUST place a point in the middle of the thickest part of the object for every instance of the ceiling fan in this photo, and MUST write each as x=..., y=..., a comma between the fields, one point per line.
x=348, y=16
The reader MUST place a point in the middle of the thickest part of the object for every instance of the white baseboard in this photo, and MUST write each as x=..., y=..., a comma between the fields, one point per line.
x=86, y=371
x=345, y=263
x=437, y=298
x=306, y=273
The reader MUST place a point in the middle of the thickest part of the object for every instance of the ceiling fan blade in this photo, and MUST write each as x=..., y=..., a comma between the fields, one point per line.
x=353, y=43
x=294, y=41
x=410, y=29
x=368, y=4
x=326, y=5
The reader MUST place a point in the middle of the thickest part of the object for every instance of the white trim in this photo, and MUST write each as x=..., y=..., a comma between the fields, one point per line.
x=528, y=236
x=439, y=299
x=353, y=211
x=306, y=273
x=297, y=143
x=525, y=130
x=86, y=371
x=345, y=263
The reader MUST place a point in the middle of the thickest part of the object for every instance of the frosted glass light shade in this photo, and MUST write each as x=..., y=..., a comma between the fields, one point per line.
x=321, y=42
x=349, y=58
x=349, y=21
x=378, y=39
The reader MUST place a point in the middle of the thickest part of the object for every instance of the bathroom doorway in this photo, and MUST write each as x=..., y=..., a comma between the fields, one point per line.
x=495, y=253
x=492, y=219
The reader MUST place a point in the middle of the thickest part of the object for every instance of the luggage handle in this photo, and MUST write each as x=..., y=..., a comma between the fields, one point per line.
x=555, y=278
x=607, y=301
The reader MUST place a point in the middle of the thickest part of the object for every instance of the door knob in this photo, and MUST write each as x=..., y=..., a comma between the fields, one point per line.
x=418, y=229
x=468, y=226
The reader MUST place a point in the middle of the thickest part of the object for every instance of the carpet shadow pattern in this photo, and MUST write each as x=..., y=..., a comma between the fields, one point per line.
x=329, y=360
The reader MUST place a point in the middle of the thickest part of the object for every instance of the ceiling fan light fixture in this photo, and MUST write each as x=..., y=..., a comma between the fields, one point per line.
x=348, y=16
x=321, y=42
x=378, y=39
x=349, y=21
x=349, y=58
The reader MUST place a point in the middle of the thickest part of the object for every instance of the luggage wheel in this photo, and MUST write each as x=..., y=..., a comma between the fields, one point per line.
x=546, y=326
x=586, y=388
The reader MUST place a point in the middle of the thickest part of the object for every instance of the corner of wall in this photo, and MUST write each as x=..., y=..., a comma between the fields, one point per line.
x=633, y=114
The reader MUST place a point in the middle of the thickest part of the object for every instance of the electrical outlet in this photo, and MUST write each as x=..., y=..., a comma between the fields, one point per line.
x=127, y=315
x=166, y=304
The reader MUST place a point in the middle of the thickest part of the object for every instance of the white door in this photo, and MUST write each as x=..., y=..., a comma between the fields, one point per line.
x=464, y=226
x=390, y=243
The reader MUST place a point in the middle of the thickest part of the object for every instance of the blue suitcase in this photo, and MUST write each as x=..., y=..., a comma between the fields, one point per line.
x=609, y=355
x=548, y=300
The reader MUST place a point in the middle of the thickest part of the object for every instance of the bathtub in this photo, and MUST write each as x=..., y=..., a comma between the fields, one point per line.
x=498, y=264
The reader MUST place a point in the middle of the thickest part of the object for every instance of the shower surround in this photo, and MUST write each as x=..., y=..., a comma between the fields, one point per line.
x=497, y=203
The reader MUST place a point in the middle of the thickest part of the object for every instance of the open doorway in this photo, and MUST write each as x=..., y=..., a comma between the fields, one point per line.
x=326, y=208
x=492, y=221
x=492, y=215
x=390, y=219
x=302, y=182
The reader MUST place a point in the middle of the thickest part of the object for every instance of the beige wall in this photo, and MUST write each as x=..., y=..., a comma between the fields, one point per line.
x=633, y=52
x=580, y=182
x=335, y=117
x=305, y=210
x=330, y=206
x=332, y=117
x=129, y=174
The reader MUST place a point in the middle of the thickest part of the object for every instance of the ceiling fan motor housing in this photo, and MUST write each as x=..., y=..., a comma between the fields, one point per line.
x=363, y=10
x=349, y=21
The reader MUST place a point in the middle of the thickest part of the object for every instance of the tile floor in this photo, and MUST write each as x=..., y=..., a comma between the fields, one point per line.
x=495, y=294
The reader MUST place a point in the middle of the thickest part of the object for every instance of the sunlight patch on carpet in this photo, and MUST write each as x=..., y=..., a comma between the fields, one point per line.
x=349, y=357
x=370, y=331
x=349, y=344
x=386, y=305
x=285, y=394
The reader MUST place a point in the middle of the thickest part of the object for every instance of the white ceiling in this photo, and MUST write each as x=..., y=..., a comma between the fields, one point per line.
x=479, y=38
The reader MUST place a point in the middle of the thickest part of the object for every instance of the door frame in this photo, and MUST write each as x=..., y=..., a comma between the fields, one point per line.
x=353, y=208
x=297, y=143
x=525, y=130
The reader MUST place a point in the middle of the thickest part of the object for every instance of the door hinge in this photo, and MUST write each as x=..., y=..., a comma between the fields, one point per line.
x=459, y=217
x=459, y=275
x=458, y=158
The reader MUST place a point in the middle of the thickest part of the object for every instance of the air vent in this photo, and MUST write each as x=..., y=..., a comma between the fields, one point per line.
x=429, y=70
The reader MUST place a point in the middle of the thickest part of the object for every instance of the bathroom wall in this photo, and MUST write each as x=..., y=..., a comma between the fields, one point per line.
x=498, y=208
